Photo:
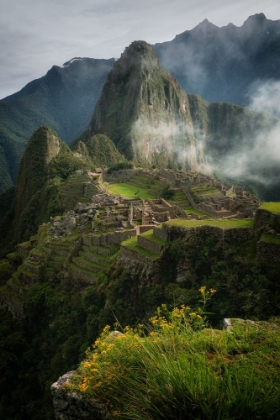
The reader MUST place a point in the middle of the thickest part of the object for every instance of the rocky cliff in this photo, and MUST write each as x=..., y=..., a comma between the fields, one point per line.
x=146, y=113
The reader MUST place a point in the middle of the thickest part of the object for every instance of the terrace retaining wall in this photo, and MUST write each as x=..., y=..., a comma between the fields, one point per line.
x=268, y=252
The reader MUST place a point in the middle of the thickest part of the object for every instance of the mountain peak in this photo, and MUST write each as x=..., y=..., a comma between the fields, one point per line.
x=145, y=112
x=41, y=148
x=138, y=55
x=257, y=18
x=205, y=26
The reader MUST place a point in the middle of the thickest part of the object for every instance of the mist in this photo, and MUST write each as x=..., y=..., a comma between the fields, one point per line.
x=174, y=139
x=258, y=162
x=265, y=97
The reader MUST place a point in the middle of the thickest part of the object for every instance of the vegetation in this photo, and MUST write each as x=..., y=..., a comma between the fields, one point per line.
x=175, y=369
x=273, y=207
x=270, y=238
x=63, y=99
x=129, y=191
x=167, y=193
x=97, y=150
x=223, y=224
x=61, y=321
x=120, y=166
x=132, y=244
x=191, y=210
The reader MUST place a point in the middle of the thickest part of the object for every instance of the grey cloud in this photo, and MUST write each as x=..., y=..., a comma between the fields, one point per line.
x=41, y=33
x=265, y=96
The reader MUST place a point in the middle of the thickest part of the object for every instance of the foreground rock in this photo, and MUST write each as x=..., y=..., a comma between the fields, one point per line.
x=73, y=406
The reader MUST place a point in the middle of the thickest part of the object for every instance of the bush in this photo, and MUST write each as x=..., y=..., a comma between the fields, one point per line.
x=120, y=166
x=177, y=369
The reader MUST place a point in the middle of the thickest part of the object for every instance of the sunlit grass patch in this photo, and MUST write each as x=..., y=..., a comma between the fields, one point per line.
x=129, y=191
x=223, y=224
x=273, y=207
x=132, y=244
x=192, y=210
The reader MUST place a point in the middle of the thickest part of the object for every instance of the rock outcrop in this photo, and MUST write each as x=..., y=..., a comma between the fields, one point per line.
x=73, y=406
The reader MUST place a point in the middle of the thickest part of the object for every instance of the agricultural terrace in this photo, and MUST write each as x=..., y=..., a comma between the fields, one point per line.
x=273, y=207
x=223, y=224
x=128, y=190
x=270, y=238
x=132, y=244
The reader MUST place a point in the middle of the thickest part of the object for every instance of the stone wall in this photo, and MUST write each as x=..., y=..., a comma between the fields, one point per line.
x=161, y=233
x=207, y=208
x=150, y=246
x=169, y=233
x=265, y=218
x=137, y=263
x=108, y=239
x=144, y=228
x=268, y=252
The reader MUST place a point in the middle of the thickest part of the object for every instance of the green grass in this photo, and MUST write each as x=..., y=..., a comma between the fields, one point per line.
x=132, y=244
x=223, y=224
x=129, y=191
x=149, y=235
x=190, y=210
x=173, y=369
x=273, y=207
x=269, y=238
x=83, y=270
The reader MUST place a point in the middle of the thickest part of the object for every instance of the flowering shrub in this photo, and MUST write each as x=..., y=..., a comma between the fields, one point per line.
x=175, y=368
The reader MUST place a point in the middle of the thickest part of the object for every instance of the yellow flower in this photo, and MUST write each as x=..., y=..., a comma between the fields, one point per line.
x=202, y=289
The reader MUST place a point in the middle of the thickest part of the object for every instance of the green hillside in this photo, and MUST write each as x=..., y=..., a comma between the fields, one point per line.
x=63, y=99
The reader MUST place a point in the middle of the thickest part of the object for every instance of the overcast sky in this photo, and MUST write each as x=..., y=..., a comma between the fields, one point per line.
x=36, y=34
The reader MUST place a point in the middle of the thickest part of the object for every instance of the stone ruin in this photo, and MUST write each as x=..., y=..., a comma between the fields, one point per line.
x=108, y=212
x=241, y=205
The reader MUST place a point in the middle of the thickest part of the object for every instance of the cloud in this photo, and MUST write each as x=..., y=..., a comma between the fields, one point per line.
x=176, y=141
x=38, y=34
x=265, y=96
x=256, y=160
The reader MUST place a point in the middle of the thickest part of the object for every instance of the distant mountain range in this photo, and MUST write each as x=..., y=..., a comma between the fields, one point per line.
x=221, y=64
x=63, y=99
x=224, y=64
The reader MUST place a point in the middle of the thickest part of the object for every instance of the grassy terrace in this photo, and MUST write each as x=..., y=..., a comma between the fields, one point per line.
x=133, y=246
x=273, y=207
x=149, y=235
x=190, y=210
x=223, y=224
x=269, y=238
x=129, y=191
x=204, y=190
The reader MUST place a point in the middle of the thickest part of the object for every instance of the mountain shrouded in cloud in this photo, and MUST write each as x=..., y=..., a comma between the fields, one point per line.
x=146, y=113
x=223, y=64
x=238, y=65
x=152, y=121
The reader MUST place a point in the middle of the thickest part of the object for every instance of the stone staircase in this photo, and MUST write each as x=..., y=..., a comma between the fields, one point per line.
x=147, y=213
